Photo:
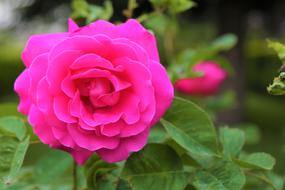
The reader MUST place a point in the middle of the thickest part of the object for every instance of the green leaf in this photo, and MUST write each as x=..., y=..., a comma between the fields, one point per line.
x=123, y=185
x=17, y=160
x=223, y=101
x=100, y=175
x=52, y=167
x=13, y=126
x=189, y=57
x=251, y=131
x=189, y=187
x=108, y=10
x=158, y=23
x=276, y=181
x=12, y=154
x=2, y=186
x=206, y=181
x=177, y=6
x=80, y=9
x=258, y=160
x=181, y=137
x=13, y=146
x=182, y=67
x=8, y=146
x=278, y=85
x=132, y=4
x=159, y=3
x=271, y=181
x=232, y=141
x=193, y=123
x=155, y=167
x=94, y=13
x=279, y=48
x=229, y=174
x=157, y=135
x=98, y=12
x=224, y=42
x=17, y=186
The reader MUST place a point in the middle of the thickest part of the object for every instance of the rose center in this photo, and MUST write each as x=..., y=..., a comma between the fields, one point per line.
x=97, y=92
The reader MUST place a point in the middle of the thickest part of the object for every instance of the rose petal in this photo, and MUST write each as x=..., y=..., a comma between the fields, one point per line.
x=117, y=82
x=90, y=141
x=91, y=73
x=164, y=92
x=122, y=50
x=72, y=26
x=110, y=130
x=134, y=31
x=45, y=103
x=141, y=54
x=61, y=109
x=126, y=146
x=127, y=108
x=43, y=100
x=41, y=127
x=83, y=44
x=81, y=155
x=74, y=111
x=142, y=85
x=67, y=86
x=91, y=61
x=37, y=71
x=98, y=27
x=109, y=99
x=63, y=136
x=128, y=130
x=39, y=44
x=21, y=86
x=58, y=69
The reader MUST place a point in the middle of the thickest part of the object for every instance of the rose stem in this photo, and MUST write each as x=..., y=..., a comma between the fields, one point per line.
x=74, y=175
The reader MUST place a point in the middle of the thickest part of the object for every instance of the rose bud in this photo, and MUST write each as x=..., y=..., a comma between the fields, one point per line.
x=205, y=85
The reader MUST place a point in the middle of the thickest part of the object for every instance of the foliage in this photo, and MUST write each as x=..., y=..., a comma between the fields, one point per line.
x=190, y=153
x=81, y=9
x=173, y=6
x=185, y=150
x=198, y=156
x=279, y=48
x=278, y=85
x=14, y=142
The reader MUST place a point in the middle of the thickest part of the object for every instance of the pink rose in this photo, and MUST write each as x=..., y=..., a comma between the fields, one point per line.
x=98, y=88
x=208, y=84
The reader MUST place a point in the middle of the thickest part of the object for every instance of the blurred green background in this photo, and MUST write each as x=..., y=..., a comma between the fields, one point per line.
x=254, y=63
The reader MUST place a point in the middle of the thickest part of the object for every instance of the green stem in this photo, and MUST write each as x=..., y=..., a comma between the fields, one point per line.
x=132, y=4
x=35, y=142
x=74, y=176
x=261, y=178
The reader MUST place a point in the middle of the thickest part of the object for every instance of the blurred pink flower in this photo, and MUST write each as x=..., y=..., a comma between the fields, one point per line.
x=98, y=88
x=208, y=84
